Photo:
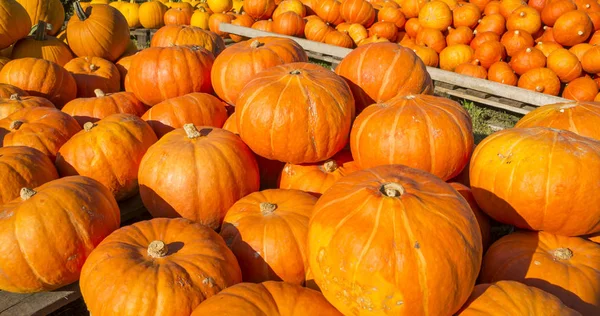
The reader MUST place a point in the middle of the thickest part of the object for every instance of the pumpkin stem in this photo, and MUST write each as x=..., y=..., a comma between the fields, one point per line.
x=409, y=97
x=580, y=33
x=330, y=165
x=295, y=72
x=267, y=208
x=256, y=44
x=539, y=89
x=517, y=32
x=563, y=253
x=392, y=190
x=93, y=67
x=27, y=193
x=528, y=49
x=192, y=132
x=40, y=31
x=79, y=11
x=15, y=125
x=88, y=126
x=157, y=249
x=99, y=93
x=522, y=14
x=15, y=97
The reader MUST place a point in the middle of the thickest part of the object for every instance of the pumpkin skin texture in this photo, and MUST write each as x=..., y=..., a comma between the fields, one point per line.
x=565, y=64
x=15, y=23
x=178, y=16
x=171, y=166
x=582, y=118
x=414, y=131
x=42, y=128
x=183, y=35
x=380, y=71
x=357, y=11
x=267, y=298
x=512, y=179
x=259, y=9
x=192, y=260
x=49, y=11
x=502, y=73
x=156, y=74
x=151, y=14
x=41, y=46
x=15, y=103
x=99, y=31
x=581, y=89
x=572, y=28
x=245, y=60
x=94, y=109
x=124, y=138
x=201, y=109
x=312, y=100
x=567, y=267
x=7, y=90
x=390, y=204
x=72, y=214
x=40, y=78
x=436, y=15
x=513, y=298
x=454, y=55
x=23, y=167
x=541, y=80
x=91, y=73
x=267, y=232
x=482, y=219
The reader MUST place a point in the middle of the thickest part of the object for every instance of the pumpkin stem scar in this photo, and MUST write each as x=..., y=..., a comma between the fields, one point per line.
x=15, y=97
x=330, y=165
x=267, y=208
x=295, y=72
x=392, y=190
x=88, y=126
x=27, y=193
x=256, y=44
x=563, y=253
x=157, y=249
x=93, y=67
x=15, y=125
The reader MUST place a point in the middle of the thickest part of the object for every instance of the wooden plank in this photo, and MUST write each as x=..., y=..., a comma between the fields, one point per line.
x=495, y=104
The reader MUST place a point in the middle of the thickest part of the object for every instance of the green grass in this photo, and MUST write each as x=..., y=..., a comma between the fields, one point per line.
x=484, y=118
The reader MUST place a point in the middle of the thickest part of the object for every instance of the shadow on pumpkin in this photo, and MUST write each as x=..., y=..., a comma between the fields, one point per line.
x=159, y=128
x=566, y=296
x=174, y=247
x=82, y=119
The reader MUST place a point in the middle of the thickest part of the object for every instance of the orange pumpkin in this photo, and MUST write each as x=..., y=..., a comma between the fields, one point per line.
x=541, y=80
x=358, y=11
x=316, y=30
x=482, y=37
x=481, y=4
x=263, y=25
x=460, y=35
x=428, y=55
x=590, y=61
x=171, y=35
x=509, y=158
x=507, y=7
x=547, y=35
x=377, y=200
x=290, y=6
x=568, y=267
x=289, y=23
x=390, y=14
x=241, y=20
x=16, y=23
x=492, y=7
x=201, y=109
x=431, y=38
x=594, y=39
x=375, y=139
x=412, y=27
x=259, y=9
x=91, y=73
x=303, y=92
x=370, y=67
x=102, y=105
x=547, y=47
x=472, y=69
x=581, y=89
x=39, y=45
x=151, y=14
x=435, y=15
x=178, y=16
x=215, y=20
x=466, y=14
x=357, y=32
x=554, y=9
x=572, y=28
x=482, y=219
x=492, y=23
x=341, y=39
x=254, y=227
x=524, y=18
x=411, y=8
x=501, y=72
x=490, y=52
x=454, y=55
x=573, y=116
x=7, y=90
x=329, y=11
x=172, y=182
x=565, y=64
x=387, y=30
x=527, y=59
x=580, y=49
x=71, y=214
x=246, y=59
x=537, y=4
x=189, y=256
x=17, y=102
x=516, y=41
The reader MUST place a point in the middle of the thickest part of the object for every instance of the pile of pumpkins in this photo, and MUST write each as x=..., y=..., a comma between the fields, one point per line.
x=277, y=186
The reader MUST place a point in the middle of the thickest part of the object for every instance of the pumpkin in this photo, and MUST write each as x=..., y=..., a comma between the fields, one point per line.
x=590, y=61
x=267, y=298
x=178, y=16
x=581, y=89
x=130, y=11
x=394, y=15
x=245, y=60
x=537, y=4
x=490, y=52
x=201, y=109
x=40, y=78
x=595, y=38
x=357, y=32
x=541, y=80
x=99, y=31
x=189, y=256
x=492, y=7
x=254, y=227
x=102, y=105
x=472, y=69
x=245, y=21
x=516, y=41
x=7, y=90
x=482, y=219
x=513, y=298
x=507, y=7
x=216, y=19
x=467, y=15
x=151, y=14
x=554, y=9
x=318, y=177
x=41, y=46
x=509, y=156
x=411, y=8
x=22, y=167
x=431, y=38
x=435, y=15
x=357, y=11
x=524, y=18
x=312, y=98
x=370, y=67
x=481, y=4
x=492, y=23
x=289, y=23
x=174, y=183
x=316, y=30
x=377, y=200
x=461, y=35
x=15, y=23
x=123, y=65
x=185, y=35
x=341, y=39
x=427, y=55
x=259, y=9
x=156, y=74
x=482, y=37
x=200, y=18
x=501, y=72
x=264, y=25
x=572, y=116
x=565, y=64
x=547, y=35
x=91, y=73
x=572, y=28
x=376, y=141
x=567, y=267
x=71, y=214
x=386, y=30
x=220, y=5
x=412, y=27
x=290, y=5
x=329, y=11
x=547, y=47
x=454, y=55
x=17, y=102
x=527, y=59
x=51, y=12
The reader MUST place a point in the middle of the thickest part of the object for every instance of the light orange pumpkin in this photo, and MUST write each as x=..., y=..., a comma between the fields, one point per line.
x=259, y=9
x=501, y=72
x=472, y=69
x=581, y=118
x=435, y=15
x=17, y=102
x=102, y=105
x=516, y=41
x=524, y=18
x=590, y=61
x=466, y=14
x=454, y=55
x=541, y=80
x=91, y=73
x=15, y=22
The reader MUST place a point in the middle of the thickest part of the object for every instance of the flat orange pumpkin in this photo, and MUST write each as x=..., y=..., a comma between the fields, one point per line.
x=581, y=118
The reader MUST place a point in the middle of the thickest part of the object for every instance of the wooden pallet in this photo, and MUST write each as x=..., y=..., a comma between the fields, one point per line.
x=47, y=302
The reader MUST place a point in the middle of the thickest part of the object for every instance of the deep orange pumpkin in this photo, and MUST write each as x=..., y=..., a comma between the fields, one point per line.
x=527, y=59
x=490, y=52
x=431, y=38
x=554, y=9
x=516, y=41
x=482, y=37
x=428, y=55
x=524, y=18
x=259, y=9
x=94, y=109
x=541, y=80
x=386, y=30
x=582, y=118
x=7, y=90
x=547, y=47
x=263, y=25
x=590, y=61
x=581, y=89
x=316, y=30
x=461, y=35
x=91, y=73
x=572, y=28
x=482, y=219
x=178, y=16
x=467, y=14
x=329, y=11
x=16, y=102
x=492, y=23
x=15, y=22
x=565, y=64
x=289, y=23
x=472, y=69
x=394, y=15
x=502, y=73
x=358, y=11
x=183, y=35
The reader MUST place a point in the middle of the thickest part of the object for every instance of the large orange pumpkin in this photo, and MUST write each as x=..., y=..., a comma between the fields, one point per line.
x=94, y=109
x=301, y=99
x=372, y=237
x=70, y=216
x=568, y=267
x=38, y=45
x=91, y=73
x=514, y=180
x=16, y=102
x=582, y=118
x=40, y=78
x=267, y=232
x=171, y=35
x=380, y=71
x=420, y=131
x=197, y=174
x=15, y=23
x=200, y=109
x=157, y=73
x=357, y=11
x=482, y=219
x=51, y=12
x=173, y=265
x=99, y=31
x=329, y=11
x=7, y=90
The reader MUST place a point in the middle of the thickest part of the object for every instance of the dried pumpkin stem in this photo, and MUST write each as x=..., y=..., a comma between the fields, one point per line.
x=79, y=11
x=330, y=165
x=157, y=249
x=563, y=253
x=267, y=208
x=93, y=67
x=539, y=89
x=392, y=190
x=99, y=93
x=40, y=32
x=88, y=126
x=27, y=193
x=191, y=131
x=15, y=97
x=15, y=125
x=295, y=72
x=256, y=44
